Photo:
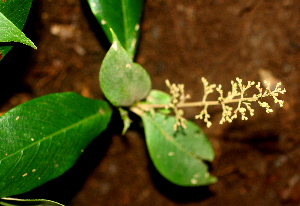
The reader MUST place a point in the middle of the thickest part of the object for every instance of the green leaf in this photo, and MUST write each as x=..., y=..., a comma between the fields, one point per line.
x=42, y=138
x=159, y=97
x=123, y=16
x=21, y=202
x=178, y=156
x=13, y=15
x=122, y=81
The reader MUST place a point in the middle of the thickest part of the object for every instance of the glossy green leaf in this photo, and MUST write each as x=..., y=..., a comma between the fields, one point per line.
x=123, y=16
x=178, y=155
x=122, y=81
x=13, y=15
x=11, y=33
x=21, y=202
x=43, y=138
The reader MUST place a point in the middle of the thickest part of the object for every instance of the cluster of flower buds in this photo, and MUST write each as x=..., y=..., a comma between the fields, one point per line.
x=178, y=96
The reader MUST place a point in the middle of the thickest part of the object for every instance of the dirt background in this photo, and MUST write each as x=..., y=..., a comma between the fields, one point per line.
x=257, y=161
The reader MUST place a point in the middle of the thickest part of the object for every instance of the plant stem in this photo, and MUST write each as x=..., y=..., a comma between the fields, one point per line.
x=198, y=104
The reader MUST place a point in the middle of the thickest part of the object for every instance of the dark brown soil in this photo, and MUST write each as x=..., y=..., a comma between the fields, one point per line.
x=257, y=161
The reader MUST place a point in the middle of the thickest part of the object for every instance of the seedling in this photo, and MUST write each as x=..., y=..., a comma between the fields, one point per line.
x=43, y=138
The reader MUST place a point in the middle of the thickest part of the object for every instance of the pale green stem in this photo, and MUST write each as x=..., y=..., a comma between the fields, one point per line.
x=198, y=104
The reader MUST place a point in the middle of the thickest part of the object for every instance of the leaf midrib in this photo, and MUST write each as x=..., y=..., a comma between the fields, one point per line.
x=51, y=135
x=125, y=24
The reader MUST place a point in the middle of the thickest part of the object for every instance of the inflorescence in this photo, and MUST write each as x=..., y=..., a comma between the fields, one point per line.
x=236, y=95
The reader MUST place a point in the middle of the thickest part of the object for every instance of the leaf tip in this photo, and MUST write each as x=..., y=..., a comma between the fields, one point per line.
x=114, y=36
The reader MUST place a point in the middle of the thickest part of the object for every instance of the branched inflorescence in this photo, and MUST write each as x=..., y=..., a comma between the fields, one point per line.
x=236, y=95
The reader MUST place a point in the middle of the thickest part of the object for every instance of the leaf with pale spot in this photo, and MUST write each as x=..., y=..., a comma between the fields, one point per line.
x=122, y=81
x=42, y=138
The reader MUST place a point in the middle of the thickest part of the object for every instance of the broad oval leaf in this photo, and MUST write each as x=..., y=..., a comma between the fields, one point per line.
x=13, y=15
x=43, y=138
x=122, y=81
x=20, y=202
x=178, y=156
x=123, y=16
